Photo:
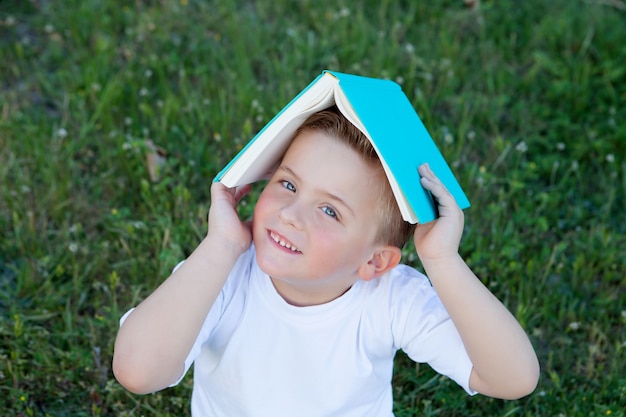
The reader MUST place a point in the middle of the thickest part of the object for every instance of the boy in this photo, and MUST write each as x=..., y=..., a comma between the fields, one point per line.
x=301, y=312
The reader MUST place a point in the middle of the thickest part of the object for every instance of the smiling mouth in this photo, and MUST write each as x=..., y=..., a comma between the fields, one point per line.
x=282, y=242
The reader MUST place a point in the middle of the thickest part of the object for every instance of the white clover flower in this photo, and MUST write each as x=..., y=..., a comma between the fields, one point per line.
x=610, y=158
x=560, y=146
x=574, y=326
x=73, y=247
x=521, y=147
x=62, y=133
x=344, y=12
x=138, y=225
x=471, y=135
x=148, y=73
x=143, y=92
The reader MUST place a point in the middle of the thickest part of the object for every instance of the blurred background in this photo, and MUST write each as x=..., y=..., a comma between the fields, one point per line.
x=115, y=116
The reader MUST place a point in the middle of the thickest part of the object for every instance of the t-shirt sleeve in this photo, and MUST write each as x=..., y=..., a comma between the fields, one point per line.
x=230, y=291
x=205, y=332
x=423, y=329
x=214, y=314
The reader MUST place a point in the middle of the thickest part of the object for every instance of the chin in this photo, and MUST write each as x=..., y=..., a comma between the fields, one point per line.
x=267, y=264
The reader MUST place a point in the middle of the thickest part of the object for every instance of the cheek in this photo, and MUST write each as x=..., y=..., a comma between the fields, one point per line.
x=329, y=242
x=262, y=205
x=259, y=218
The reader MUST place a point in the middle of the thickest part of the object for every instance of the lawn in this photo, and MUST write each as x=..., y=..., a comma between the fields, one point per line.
x=115, y=116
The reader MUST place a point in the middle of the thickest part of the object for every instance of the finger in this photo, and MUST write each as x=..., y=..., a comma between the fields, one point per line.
x=424, y=170
x=433, y=184
x=217, y=188
x=241, y=191
x=428, y=178
x=236, y=193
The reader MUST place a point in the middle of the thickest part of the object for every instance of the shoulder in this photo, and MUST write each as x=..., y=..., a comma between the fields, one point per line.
x=241, y=272
x=405, y=295
x=230, y=303
x=401, y=283
x=402, y=292
x=239, y=275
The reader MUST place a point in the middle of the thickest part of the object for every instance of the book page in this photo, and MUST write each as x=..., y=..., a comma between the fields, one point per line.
x=257, y=158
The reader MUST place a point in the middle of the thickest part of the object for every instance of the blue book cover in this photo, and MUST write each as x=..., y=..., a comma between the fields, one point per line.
x=401, y=139
x=383, y=112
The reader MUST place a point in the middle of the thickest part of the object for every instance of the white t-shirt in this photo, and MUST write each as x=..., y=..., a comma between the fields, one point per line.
x=257, y=355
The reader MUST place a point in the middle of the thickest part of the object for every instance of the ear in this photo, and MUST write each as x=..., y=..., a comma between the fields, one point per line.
x=384, y=258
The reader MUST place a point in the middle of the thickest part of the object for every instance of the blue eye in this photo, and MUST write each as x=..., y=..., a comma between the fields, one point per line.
x=286, y=184
x=329, y=211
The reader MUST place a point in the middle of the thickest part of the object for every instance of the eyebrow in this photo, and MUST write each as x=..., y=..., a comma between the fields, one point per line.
x=331, y=196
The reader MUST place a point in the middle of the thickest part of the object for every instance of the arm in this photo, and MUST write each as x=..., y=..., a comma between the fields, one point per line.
x=157, y=336
x=505, y=364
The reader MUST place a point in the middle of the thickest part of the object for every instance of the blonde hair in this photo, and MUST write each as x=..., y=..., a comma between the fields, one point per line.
x=392, y=228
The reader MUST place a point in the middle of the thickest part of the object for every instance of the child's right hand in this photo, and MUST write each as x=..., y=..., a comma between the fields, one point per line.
x=151, y=347
x=224, y=222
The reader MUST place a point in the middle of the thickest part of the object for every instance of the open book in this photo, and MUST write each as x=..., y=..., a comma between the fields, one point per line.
x=383, y=113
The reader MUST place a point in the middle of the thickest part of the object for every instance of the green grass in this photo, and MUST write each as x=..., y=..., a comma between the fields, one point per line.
x=526, y=100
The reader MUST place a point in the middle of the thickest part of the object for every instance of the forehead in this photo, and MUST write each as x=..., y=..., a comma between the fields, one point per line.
x=326, y=163
x=328, y=152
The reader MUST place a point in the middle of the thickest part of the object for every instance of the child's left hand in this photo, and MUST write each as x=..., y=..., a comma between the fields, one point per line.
x=440, y=238
x=504, y=361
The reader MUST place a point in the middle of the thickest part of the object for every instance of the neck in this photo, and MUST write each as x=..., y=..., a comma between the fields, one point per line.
x=306, y=297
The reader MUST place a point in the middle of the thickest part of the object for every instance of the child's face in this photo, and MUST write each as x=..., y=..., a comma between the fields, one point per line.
x=315, y=222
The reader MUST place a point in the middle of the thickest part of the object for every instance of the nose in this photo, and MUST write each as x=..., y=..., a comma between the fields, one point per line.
x=291, y=214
